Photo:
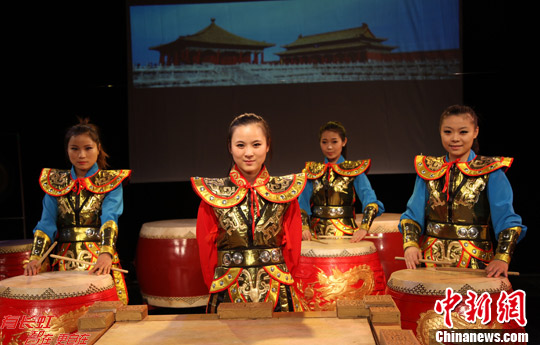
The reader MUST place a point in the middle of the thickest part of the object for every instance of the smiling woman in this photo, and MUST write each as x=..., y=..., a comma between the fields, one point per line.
x=249, y=225
x=458, y=199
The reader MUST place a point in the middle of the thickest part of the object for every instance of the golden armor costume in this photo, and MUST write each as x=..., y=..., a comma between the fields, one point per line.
x=81, y=214
x=463, y=202
x=249, y=238
x=327, y=202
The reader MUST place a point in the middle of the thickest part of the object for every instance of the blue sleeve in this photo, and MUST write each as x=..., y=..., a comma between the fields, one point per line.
x=113, y=205
x=416, y=206
x=500, y=196
x=305, y=197
x=47, y=223
x=365, y=193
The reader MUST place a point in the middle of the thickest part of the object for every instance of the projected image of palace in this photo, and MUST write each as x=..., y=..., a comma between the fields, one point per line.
x=215, y=56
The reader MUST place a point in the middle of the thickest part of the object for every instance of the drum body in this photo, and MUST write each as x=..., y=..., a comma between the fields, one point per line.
x=389, y=241
x=13, y=254
x=415, y=293
x=168, y=266
x=51, y=302
x=337, y=269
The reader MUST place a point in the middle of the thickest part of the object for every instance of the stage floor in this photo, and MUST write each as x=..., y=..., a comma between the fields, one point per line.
x=291, y=329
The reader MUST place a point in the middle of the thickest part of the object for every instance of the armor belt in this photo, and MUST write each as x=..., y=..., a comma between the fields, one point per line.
x=458, y=231
x=250, y=257
x=333, y=211
x=79, y=234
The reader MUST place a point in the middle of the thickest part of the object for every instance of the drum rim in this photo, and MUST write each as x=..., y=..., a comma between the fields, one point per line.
x=106, y=282
x=317, y=250
x=148, y=230
x=16, y=247
x=421, y=288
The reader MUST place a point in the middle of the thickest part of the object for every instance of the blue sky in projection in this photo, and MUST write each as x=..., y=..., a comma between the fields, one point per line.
x=408, y=25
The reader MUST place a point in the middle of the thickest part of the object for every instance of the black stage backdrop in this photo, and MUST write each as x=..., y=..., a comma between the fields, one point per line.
x=68, y=64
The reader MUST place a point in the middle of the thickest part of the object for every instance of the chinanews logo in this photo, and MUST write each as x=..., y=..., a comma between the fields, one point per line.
x=510, y=310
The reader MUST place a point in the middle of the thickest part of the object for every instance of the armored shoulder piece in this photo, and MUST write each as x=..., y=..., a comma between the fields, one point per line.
x=315, y=170
x=57, y=182
x=432, y=168
x=229, y=191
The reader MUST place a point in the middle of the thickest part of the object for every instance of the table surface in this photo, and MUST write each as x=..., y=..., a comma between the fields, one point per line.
x=208, y=329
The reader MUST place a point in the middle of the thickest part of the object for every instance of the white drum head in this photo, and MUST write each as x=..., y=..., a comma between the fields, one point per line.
x=428, y=281
x=54, y=285
x=336, y=248
x=170, y=229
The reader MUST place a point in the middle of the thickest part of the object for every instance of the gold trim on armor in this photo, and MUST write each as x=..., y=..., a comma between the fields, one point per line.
x=458, y=231
x=277, y=189
x=223, y=282
x=108, y=233
x=314, y=170
x=432, y=168
x=411, y=233
x=40, y=245
x=506, y=243
x=370, y=212
x=276, y=273
x=56, y=182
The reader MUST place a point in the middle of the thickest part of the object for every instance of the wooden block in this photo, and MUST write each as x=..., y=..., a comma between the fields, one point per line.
x=97, y=320
x=378, y=327
x=245, y=310
x=131, y=312
x=379, y=301
x=351, y=309
x=101, y=306
x=397, y=337
x=385, y=315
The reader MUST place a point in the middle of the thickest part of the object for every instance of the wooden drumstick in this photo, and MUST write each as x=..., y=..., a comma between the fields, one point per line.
x=46, y=254
x=84, y=262
x=348, y=236
x=469, y=270
x=316, y=240
x=428, y=261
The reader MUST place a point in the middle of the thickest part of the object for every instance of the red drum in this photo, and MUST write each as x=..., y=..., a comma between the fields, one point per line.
x=389, y=241
x=49, y=302
x=13, y=254
x=416, y=292
x=168, y=267
x=337, y=269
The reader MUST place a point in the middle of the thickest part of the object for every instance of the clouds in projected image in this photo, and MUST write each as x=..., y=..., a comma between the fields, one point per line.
x=414, y=25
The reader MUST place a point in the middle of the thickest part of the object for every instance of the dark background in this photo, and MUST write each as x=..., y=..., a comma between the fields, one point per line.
x=65, y=60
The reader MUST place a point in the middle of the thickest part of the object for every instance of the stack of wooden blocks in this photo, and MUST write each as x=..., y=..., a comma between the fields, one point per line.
x=103, y=314
x=384, y=316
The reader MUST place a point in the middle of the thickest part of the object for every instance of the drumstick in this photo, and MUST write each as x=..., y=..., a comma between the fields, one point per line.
x=472, y=270
x=315, y=240
x=46, y=254
x=348, y=236
x=84, y=262
x=428, y=261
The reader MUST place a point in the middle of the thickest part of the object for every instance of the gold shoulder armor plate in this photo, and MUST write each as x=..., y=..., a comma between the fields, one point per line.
x=106, y=180
x=281, y=189
x=429, y=167
x=352, y=168
x=218, y=192
x=314, y=170
x=56, y=182
x=482, y=165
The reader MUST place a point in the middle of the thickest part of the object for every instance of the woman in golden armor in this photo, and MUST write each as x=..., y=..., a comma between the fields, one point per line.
x=248, y=224
x=458, y=200
x=81, y=208
x=328, y=200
